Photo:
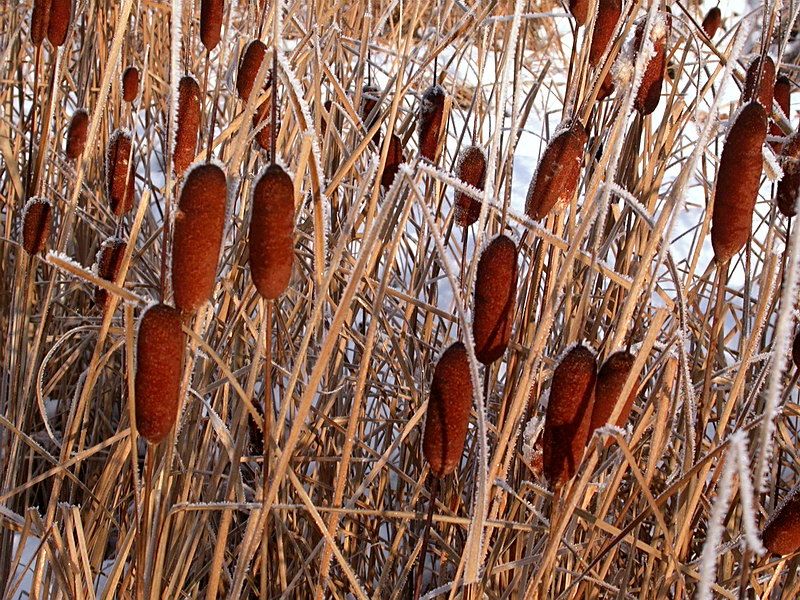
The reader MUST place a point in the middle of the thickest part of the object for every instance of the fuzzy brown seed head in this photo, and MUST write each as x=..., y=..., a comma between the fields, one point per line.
x=608, y=14
x=394, y=159
x=36, y=218
x=610, y=381
x=211, y=22
x=263, y=114
x=323, y=124
x=109, y=261
x=188, y=124
x=271, y=234
x=579, y=10
x=119, y=174
x=471, y=169
x=199, y=226
x=786, y=195
x=369, y=100
x=559, y=170
x=649, y=91
x=40, y=15
x=248, y=69
x=796, y=350
x=781, y=533
x=159, y=364
x=738, y=179
x=76, y=134
x=712, y=22
x=759, y=84
x=130, y=84
x=569, y=413
x=447, y=416
x=782, y=95
x=495, y=299
x=430, y=121
x=58, y=22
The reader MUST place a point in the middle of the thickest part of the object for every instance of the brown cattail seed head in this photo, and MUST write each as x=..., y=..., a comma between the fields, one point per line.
x=58, y=22
x=199, y=226
x=248, y=68
x=649, y=92
x=786, y=196
x=608, y=14
x=76, y=134
x=712, y=22
x=759, y=84
x=40, y=15
x=263, y=114
x=579, y=10
x=211, y=22
x=569, y=413
x=610, y=381
x=394, y=159
x=796, y=350
x=782, y=95
x=430, y=121
x=556, y=177
x=738, y=178
x=447, y=416
x=495, y=299
x=369, y=100
x=109, y=261
x=36, y=217
x=271, y=234
x=781, y=534
x=119, y=174
x=159, y=363
x=471, y=169
x=188, y=124
x=130, y=84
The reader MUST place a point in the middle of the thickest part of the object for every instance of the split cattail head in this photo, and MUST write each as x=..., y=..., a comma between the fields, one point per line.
x=447, y=416
x=58, y=21
x=76, y=134
x=130, y=84
x=556, y=178
x=712, y=22
x=199, y=227
x=248, y=68
x=569, y=413
x=608, y=390
x=40, y=15
x=119, y=174
x=759, y=83
x=781, y=533
x=579, y=10
x=271, y=235
x=495, y=299
x=36, y=223
x=471, y=169
x=738, y=178
x=188, y=125
x=649, y=92
x=159, y=364
x=788, y=186
x=394, y=159
x=431, y=114
x=108, y=264
x=211, y=22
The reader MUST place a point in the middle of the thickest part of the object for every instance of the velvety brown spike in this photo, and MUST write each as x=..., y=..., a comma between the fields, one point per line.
x=109, y=261
x=738, y=178
x=130, y=84
x=36, y=217
x=119, y=173
x=40, y=15
x=430, y=121
x=781, y=534
x=159, y=365
x=188, y=124
x=211, y=22
x=579, y=10
x=760, y=89
x=369, y=100
x=76, y=134
x=786, y=196
x=261, y=115
x=447, y=416
x=495, y=299
x=58, y=22
x=608, y=14
x=556, y=177
x=796, y=350
x=199, y=226
x=606, y=88
x=712, y=22
x=649, y=92
x=394, y=159
x=272, y=232
x=471, y=169
x=610, y=381
x=569, y=414
x=248, y=69
x=782, y=95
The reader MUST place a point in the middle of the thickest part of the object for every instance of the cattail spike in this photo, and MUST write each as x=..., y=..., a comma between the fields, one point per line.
x=788, y=186
x=188, y=124
x=211, y=12
x=712, y=22
x=579, y=10
x=130, y=84
x=649, y=92
x=36, y=223
x=76, y=134
x=759, y=84
x=471, y=169
x=119, y=174
x=248, y=68
x=58, y=21
x=783, y=96
x=430, y=121
x=394, y=159
x=781, y=533
x=109, y=262
x=40, y=15
x=610, y=381
x=608, y=14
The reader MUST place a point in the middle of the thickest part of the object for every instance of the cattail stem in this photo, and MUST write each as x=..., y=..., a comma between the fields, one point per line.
x=274, y=108
x=142, y=583
x=713, y=345
x=266, y=422
x=37, y=60
x=434, y=492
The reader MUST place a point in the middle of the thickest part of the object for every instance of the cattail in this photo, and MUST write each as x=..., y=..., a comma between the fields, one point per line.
x=199, y=225
x=569, y=414
x=796, y=350
x=712, y=22
x=759, y=84
x=781, y=534
x=430, y=121
x=119, y=174
x=471, y=169
x=394, y=159
x=786, y=196
x=40, y=15
x=248, y=69
x=262, y=115
x=323, y=124
x=556, y=177
x=610, y=381
x=188, y=124
x=495, y=299
x=130, y=84
x=76, y=134
x=271, y=234
x=649, y=92
x=159, y=364
x=608, y=14
x=58, y=21
x=369, y=100
x=782, y=95
x=36, y=218
x=211, y=22
x=447, y=416
x=579, y=10
x=108, y=264
x=738, y=178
